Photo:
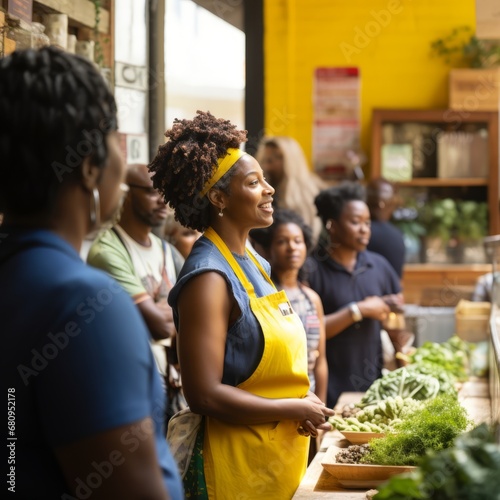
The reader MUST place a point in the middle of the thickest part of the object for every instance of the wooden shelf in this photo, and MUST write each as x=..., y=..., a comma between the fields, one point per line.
x=434, y=182
x=451, y=120
x=442, y=284
x=82, y=12
x=452, y=117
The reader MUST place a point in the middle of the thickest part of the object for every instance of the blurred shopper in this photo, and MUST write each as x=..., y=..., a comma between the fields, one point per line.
x=82, y=381
x=483, y=289
x=242, y=350
x=286, y=244
x=182, y=238
x=145, y=265
x=355, y=286
x=385, y=239
x=286, y=169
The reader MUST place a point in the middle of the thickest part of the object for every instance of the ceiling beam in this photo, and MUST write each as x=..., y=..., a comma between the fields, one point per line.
x=228, y=10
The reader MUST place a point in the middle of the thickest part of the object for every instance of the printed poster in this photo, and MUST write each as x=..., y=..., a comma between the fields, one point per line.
x=336, y=115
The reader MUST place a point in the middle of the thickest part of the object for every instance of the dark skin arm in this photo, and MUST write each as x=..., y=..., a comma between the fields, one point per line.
x=370, y=307
x=126, y=460
x=158, y=317
x=203, y=323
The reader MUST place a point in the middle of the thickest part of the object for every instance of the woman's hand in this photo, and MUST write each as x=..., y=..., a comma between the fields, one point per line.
x=316, y=416
x=374, y=307
x=394, y=300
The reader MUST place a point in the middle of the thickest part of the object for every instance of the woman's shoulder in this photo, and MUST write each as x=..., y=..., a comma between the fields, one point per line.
x=203, y=258
x=313, y=297
x=204, y=255
x=311, y=294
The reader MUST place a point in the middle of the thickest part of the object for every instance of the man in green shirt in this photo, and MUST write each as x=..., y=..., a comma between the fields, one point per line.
x=145, y=265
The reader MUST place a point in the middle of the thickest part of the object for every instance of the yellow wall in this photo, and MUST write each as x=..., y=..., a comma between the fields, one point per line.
x=389, y=40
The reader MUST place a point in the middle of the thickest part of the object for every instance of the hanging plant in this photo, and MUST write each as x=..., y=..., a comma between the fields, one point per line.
x=98, y=51
x=462, y=48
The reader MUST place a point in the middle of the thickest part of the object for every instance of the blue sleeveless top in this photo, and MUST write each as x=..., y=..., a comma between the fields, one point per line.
x=245, y=341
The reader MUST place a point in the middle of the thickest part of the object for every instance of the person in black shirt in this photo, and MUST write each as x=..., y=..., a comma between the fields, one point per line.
x=386, y=239
x=356, y=288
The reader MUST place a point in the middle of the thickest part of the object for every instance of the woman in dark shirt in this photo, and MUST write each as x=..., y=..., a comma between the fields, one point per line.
x=355, y=286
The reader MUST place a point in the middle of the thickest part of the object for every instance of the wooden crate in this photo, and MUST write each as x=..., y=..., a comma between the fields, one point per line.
x=487, y=19
x=474, y=89
x=471, y=320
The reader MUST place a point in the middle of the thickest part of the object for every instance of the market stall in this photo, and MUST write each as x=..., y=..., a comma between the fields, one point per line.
x=474, y=396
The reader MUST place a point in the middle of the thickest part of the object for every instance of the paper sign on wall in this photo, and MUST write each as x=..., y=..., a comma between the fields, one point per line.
x=336, y=128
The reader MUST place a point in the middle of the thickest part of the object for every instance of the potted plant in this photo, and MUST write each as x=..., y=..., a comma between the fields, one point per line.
x=461, y=48
x=475, y=81
x=453, y=227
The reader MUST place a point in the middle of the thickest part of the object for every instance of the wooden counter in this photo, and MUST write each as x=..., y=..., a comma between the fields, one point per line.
x=440, y=284
x=318, y=483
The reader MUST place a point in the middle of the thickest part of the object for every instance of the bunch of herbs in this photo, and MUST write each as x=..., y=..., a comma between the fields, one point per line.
x=468, y=470
x=434, y=428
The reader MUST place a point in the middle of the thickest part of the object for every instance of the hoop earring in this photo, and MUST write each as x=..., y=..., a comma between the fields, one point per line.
x=95, y=209
x=220, y=214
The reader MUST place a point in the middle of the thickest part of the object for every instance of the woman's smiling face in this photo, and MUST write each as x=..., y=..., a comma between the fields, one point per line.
x=250, y=196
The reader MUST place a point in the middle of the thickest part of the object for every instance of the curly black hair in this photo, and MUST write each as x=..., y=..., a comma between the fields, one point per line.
x=188, y=159
x=264, y=236
x=56, y=110
x=331, y=201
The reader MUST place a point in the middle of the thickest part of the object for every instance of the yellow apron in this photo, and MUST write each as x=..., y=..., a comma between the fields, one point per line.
x=263, y=461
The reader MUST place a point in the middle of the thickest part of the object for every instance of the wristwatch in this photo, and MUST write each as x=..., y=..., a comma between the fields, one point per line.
x=355, y=312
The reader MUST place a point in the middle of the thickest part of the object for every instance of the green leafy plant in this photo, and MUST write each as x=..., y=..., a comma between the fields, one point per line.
x=433, y=428
x=468, y=470
x=98, y=50
x=462, y=48
x=466, y=221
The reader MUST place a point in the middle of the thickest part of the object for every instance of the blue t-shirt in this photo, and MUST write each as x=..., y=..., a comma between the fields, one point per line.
x=354, y=356
x=245, y=340
x=76, y=356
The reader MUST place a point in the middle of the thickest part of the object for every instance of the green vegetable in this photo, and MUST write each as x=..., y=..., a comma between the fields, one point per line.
x=446, y=379
x=434, y=427
x=401, y=383
x=452, y=356
x=469, y=470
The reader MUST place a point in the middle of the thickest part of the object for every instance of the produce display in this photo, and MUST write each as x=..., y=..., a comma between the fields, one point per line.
x=468, y=470
x=447, y=381
x=420, y=422
x=403, y=383
x=434, y=427
x=424, y=426
x=383, y=416
x=451, y=356
x=352, y=454
x=433, y=369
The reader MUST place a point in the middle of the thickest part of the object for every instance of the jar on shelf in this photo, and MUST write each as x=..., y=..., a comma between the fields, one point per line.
x=56, y=27
x=71, y=44
x=38, y=38
x=85, y=48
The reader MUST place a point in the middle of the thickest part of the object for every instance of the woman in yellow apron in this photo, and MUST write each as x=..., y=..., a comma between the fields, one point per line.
x=242, y=349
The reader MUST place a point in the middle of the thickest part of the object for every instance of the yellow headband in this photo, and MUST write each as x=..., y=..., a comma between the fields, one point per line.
x=223, y=165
